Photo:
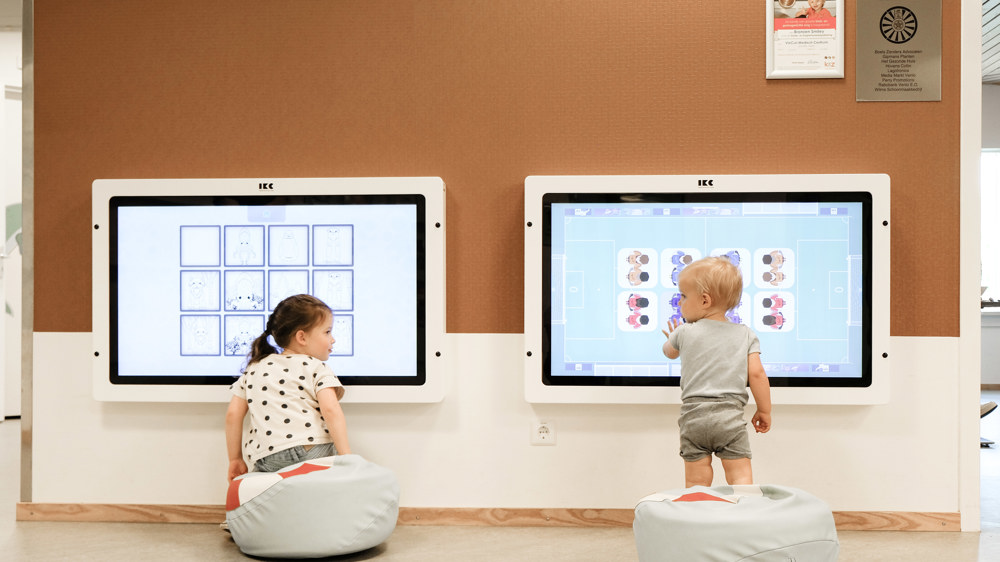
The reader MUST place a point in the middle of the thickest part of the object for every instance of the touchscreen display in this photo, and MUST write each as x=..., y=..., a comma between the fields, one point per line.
x=610, y=263
x=194, y=278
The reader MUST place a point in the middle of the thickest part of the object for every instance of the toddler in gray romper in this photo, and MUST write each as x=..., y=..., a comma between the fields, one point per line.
x=719, y=359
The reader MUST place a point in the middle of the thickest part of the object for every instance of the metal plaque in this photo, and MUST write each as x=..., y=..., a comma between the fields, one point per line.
x=899, y=50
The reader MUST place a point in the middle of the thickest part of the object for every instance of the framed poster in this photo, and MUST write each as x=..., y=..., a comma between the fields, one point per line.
x=805, y=39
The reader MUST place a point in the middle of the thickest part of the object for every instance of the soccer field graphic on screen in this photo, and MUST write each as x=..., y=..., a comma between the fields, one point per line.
x=614, y=269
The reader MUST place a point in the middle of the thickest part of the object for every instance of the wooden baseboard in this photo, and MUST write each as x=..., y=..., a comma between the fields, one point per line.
x=497, y=517
x=990, y=386
x=522, y=517
x=896, y=521
x=484, y=517
x=120, y=513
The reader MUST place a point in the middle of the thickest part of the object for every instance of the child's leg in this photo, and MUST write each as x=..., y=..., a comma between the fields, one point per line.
x=699, y=472
x=738, y=471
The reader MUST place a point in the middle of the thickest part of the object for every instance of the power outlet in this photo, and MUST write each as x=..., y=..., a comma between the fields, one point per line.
x=543, y=433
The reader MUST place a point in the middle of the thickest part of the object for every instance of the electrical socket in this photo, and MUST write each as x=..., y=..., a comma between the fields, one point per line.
x=543, y=433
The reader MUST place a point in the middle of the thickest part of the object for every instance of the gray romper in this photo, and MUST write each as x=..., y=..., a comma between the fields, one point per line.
x=714, y=388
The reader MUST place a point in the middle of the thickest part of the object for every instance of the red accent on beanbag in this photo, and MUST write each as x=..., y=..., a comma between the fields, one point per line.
x=699, y=497
x=306, y=468
x=233, y=495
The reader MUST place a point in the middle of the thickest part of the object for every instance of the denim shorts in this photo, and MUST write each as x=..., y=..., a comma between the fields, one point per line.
x=713, y=426
x=276, y=461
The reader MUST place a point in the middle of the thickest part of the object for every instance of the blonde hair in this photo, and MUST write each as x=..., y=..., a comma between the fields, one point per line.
x=718, y=277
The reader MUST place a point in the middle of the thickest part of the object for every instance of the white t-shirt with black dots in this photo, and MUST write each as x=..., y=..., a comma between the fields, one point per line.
x=280, y=391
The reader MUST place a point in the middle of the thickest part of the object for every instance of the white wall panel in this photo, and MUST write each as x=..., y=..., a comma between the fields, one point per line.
x=472, y=449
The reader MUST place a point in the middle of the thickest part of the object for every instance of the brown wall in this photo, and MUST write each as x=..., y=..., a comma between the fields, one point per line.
x=480, y=93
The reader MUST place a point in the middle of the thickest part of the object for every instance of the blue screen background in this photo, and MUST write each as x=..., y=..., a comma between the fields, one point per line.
x=601, y=250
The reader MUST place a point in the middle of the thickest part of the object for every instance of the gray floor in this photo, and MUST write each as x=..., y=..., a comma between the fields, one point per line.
x=36, y=541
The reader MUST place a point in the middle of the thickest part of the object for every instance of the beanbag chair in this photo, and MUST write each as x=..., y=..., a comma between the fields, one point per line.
x=746, y=523
x=321, y=507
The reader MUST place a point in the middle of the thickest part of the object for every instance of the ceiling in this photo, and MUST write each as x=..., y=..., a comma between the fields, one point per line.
x=991, y=41
x=10, y=18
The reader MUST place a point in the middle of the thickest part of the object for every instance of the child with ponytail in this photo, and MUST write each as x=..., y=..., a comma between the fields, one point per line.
x=292, y=397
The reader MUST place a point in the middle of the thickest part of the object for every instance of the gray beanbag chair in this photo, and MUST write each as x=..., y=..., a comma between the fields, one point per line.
x=321, y=507
x=745, y=523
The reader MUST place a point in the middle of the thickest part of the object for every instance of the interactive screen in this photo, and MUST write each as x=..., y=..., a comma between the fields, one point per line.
x=609, y=264
x=192, y=279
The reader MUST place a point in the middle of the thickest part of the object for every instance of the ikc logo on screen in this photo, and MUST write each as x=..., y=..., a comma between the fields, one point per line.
x=265, y=185
x=898, y=24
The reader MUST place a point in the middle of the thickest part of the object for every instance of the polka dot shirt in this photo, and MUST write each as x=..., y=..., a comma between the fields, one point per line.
x=280, y=391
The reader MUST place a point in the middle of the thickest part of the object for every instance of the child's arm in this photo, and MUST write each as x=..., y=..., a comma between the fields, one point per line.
x=235, y=413
x=668, y=349
x=761, y=390
x=333, y=415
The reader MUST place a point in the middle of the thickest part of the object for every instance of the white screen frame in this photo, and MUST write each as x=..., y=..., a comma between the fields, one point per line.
x=878, y=185
x=432, y=189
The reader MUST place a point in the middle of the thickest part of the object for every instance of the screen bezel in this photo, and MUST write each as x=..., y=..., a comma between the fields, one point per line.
x=707, y=198
x=426, y=194
x=542, y=191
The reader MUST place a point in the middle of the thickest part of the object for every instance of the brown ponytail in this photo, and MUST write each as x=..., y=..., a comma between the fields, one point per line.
x=297, y=312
